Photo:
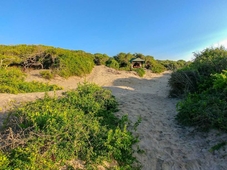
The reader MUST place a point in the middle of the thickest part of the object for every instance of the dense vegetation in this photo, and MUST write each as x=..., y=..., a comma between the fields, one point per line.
x=124, y=59
x=174, y=65
x=12, y=81
x=76, y=62
x=140, y=71
x=203, y=86
x=55, y=133
x=64, y=62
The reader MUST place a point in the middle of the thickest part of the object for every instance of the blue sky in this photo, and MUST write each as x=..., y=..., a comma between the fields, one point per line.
x=165, y=29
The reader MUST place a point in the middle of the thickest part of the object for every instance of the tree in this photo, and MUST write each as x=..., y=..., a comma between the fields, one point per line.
x=112, y=63
x=124, y=59
x=100, y=59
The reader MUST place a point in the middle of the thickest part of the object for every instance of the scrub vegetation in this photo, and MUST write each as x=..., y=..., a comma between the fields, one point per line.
x=12, y=81
x=68, y=63
x=55, y=133
x=203, y=87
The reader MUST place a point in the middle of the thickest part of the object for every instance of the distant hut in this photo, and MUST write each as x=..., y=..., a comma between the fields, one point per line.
x=137, y=63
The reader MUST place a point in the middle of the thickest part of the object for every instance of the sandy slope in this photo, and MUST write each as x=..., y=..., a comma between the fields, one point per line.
x=166, y=144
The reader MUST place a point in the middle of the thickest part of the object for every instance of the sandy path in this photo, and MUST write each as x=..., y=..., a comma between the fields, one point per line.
x=166, y=145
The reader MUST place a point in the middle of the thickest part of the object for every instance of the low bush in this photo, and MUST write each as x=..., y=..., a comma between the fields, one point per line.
x=203, y=85
x=47, y=74
x=79, y=127
x=140, y=71
x=112, y=63
x=182, y=82
x=153, y=65
x=196, y=77
x=75, y=65
x=210, y=61
x=12, y=81
x=100, y=59
x=208, y=109
x=174, y=65
x=157, y=68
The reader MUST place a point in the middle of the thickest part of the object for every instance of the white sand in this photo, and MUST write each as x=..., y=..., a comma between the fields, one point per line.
x=166, y=144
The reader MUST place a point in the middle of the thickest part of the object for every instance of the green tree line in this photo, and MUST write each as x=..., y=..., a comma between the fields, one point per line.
x=77, y=62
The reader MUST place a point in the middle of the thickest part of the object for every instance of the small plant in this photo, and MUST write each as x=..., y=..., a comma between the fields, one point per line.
x=12, y=81
x=218, y=146
x=112, y=63
x=47, y=74
x=182, y=82
x=140, y=71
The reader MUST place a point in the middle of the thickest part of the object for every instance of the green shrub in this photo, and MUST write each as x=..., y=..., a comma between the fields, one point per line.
x=203, y=84
x=174, y=65
x=157, y=68
x=79, y=126
x=67, y=62
x=208, y=109
x=218, y=146
x=182, y=82
x=12, y=81
x=112, y=63
x=100, y=59
x=75, y=65
x=4, y=161
x=197, y=76
x=123, y=60
x=210, y=61
x=153, y=65
x=47, y=74
x=140, y=71
x=220, y=80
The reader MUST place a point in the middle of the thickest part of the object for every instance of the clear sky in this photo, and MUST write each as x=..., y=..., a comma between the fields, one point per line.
x=165, y=29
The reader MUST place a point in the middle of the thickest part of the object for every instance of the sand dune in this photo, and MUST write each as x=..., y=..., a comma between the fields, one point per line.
x=166, y=144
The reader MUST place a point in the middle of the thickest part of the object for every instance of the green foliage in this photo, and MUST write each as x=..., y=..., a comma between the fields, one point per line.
x=220, y=80
x=4, y=161
x=182, y=82
x=6, y=60
x=12, y=81
x=210, y=61
x=112, y=63
x=67, y=62
x=139, y=55
x=70, y=62
x=156, y=68
x=75, y=65
x=79, y=126
x=47, y=74
x=174, y=65
x=140, y=71
x=218, y=146
x=207, y=109
x=124, y=60
x=100, y=59
x=203, y=84
x=153, y=65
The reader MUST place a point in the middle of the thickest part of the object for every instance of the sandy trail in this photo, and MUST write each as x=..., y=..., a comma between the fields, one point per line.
x=166, y=144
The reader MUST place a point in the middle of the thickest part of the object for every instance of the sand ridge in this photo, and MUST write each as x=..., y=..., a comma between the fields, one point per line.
x=166, y=144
